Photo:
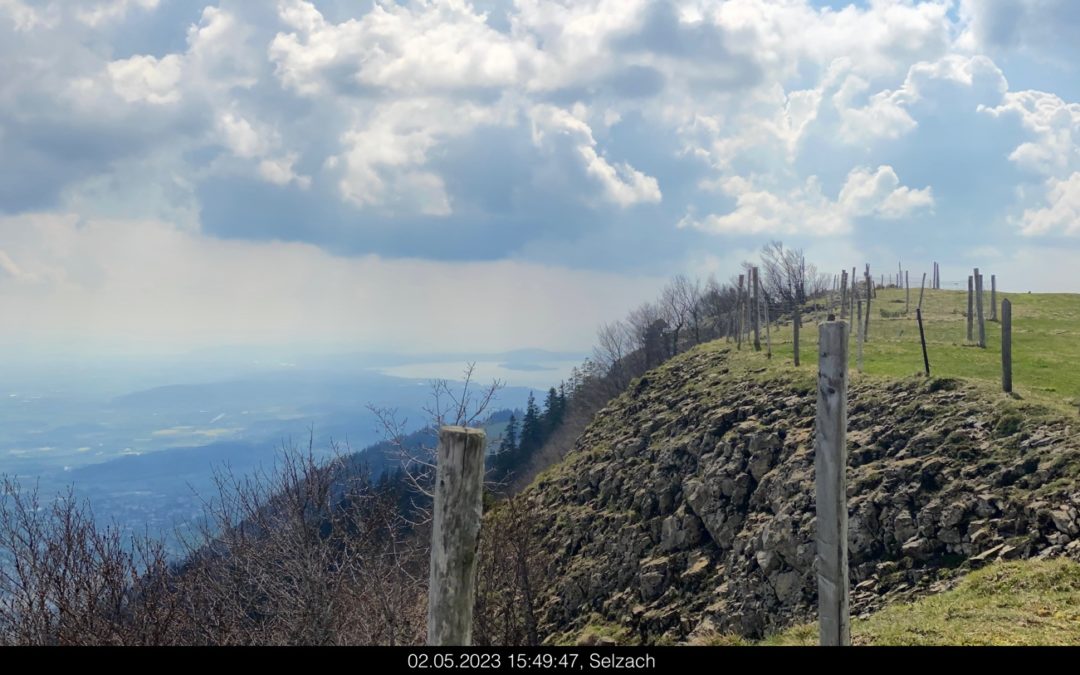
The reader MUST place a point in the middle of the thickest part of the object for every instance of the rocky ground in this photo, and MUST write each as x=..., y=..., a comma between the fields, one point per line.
x=687, y=506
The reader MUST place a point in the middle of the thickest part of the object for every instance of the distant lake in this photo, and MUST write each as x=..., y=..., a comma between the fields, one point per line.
x=535, y=374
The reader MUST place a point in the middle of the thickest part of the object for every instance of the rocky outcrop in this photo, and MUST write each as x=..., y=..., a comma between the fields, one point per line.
x=688, y=503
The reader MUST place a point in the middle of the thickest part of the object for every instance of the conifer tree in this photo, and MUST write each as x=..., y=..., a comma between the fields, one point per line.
x=510, y=436
x=531, y=428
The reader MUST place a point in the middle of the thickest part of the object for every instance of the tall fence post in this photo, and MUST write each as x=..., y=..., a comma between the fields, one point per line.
x=979, y=308
x=739, y=311
x=853, y=294
x=455, y=534
x=1006, y=346
x=843, y=295
x=830, y=462
x=859, y=332
x=993, y=297
x=796, y=324
x=971, y=310
x=922, y=339
x=870, y=292
x=768, y=336
x=922, y=289
x=754, y=319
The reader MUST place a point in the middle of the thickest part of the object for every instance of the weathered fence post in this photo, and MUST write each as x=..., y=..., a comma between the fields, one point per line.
x=993, y=297
x=922, y=339
x=768, y=336
x=830, y=463
x=754, y=319
x=796, y=324
x=459, y=483
x=971, y=309
x=922, y=289
x=843, y=295
x=859, y=331
x=870, y=292
x=979, y=308
x=739, y=311
x=1006, y=346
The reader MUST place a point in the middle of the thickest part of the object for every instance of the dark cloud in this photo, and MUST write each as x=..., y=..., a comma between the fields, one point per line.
x=636, y=82
x=699, y=45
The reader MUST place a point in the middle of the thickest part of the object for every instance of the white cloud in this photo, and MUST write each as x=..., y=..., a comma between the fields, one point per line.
x=103, y=12
x=25, y=17
x=419, y=48
x=245, y=141
x=385, y=153
x=806, y=210
x=1062, y=216
x=147, y=79
x=621, y=183
x=887, y=113
x=803, y=209
x=280, y=171
x=1055, y=124
x=879, y=193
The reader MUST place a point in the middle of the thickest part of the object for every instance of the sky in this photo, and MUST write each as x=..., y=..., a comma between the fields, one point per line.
x=444, y=175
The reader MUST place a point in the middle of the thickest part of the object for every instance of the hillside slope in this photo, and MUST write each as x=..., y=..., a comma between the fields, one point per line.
x=687, y=506
x=1034, y=602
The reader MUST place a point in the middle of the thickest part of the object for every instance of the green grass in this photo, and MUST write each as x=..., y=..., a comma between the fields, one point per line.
x=1015, y=603
x=1046, y=342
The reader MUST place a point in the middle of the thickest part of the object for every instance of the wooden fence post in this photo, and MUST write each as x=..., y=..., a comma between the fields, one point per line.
x=459, y=484
x=843, y=295
x=870, y=292
x=768, y=331
x=922, y=288
x=993, y=297
x=830, y=463
x=796, y=324
x=859, y=331
x=854, y=294
x=754, y=319
x=1006, y=346
x=971, y=310
x=979, y=308
x=739, y=311
x=922, y=339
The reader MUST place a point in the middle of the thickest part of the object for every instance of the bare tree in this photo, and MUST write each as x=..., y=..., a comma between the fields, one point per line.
x=649, y=326
x=66, y=581
x=615, y=350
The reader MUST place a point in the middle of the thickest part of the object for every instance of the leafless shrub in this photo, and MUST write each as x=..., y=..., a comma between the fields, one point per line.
x=66, y=581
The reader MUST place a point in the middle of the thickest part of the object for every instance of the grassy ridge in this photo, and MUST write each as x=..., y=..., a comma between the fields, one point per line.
x=1036, y=602
x=1046, y=342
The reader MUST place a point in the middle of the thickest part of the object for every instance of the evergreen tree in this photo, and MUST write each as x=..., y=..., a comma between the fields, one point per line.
x=552, y=412
x=532, y=433
x=510, y=436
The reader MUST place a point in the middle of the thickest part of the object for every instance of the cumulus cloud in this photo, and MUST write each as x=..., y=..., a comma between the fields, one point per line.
x=103, y=12
x=622, y=184
x=1062, y=215
x=556, y=129
x=806, y=210
x=1055, y=125
x=879, y=193
x=417, y=48
x=146, y=78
